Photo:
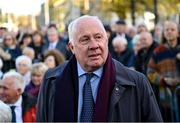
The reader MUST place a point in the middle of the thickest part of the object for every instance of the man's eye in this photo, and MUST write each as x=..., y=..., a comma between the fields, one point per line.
x=84, y=40
x=98, y=36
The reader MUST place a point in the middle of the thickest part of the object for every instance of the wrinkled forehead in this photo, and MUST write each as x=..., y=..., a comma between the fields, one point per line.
x=8, y=81
x=89, y=26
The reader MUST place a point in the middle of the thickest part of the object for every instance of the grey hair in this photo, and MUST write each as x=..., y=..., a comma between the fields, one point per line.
x=18, y=79
x=119, y=39
x=73, y=25
x=5, y=113
x=24, y=58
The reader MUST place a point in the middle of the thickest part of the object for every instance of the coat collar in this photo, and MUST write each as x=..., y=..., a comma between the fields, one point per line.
x=55, y=72
x=122, y=76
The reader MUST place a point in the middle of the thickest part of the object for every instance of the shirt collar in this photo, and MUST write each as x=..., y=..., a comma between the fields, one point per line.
x=121, y=35
x=53, y=43
x=81, y=72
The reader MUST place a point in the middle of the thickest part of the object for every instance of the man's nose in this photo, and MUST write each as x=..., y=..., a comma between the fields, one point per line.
x=93, y=44
x=169, y=31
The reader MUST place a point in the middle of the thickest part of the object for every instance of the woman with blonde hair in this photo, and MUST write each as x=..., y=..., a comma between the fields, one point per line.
x=37, y=73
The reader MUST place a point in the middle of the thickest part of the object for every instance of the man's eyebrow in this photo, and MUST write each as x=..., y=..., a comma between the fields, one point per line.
x=98, y=34
x=84, y=36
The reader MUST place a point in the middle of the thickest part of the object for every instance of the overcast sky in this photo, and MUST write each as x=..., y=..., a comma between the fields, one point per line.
x=21, y=7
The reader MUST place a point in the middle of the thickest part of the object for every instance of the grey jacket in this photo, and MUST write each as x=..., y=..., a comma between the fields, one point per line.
x=132, y=98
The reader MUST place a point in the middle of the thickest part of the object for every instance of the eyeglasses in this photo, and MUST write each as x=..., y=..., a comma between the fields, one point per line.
x=8, y=39
x=22, y=65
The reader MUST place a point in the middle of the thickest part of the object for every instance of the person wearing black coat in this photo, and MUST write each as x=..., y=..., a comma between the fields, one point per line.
x=144, y=55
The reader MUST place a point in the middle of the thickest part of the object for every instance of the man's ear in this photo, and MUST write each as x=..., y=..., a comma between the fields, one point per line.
x=71, y=46
x=19, y=91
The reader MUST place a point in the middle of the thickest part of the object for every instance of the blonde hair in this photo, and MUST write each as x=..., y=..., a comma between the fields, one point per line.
x=38, y=68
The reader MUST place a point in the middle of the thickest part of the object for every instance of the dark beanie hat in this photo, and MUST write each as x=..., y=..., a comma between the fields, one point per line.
x=122, y=22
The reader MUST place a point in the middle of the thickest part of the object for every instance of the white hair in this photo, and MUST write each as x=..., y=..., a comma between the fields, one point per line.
x=5, y=113
x=73, y=25
x=18, y=79
x=118, y=40
x=24, y=58
x=27, y=49
x=1, y=63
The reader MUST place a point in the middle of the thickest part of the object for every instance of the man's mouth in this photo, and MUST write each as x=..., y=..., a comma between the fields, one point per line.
x=94, y=55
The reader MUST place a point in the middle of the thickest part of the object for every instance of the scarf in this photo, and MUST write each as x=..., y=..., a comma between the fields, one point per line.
x=66, y=92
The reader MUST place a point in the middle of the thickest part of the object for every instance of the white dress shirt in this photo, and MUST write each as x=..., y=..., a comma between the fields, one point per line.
x=52, y=45
x=18, y=110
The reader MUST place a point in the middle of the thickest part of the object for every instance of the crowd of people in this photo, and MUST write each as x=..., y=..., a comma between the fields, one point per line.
x=25, y=56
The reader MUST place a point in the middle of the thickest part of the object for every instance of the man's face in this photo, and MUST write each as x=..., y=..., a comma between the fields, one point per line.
x=119, y=47
x=170, y=31
x=120, y=28
x=52, y=35
x=145, y=40
x=90, y=44
x=11, y=93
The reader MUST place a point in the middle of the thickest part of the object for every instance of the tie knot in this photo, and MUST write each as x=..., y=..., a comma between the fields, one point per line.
x=12, y=107
x=89, y=77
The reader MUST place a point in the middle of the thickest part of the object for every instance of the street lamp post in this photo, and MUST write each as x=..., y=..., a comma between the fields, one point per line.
x=133, y=11
x=155, y=11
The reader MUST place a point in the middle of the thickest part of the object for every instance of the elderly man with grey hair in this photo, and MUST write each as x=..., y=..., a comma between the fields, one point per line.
x=122, y=53
x=145, y=53
x=23, y=106
x=93, y=87
x=5, y=113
